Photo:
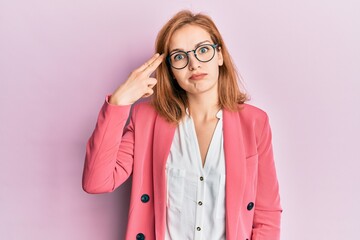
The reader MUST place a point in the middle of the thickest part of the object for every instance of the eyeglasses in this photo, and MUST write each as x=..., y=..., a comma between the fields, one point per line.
x=203, y=53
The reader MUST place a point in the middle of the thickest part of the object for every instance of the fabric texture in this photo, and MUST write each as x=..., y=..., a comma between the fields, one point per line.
x=195, y=193
x=116, y=150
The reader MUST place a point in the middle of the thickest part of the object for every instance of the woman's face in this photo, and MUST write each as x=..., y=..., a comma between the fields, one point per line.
x=188, y=38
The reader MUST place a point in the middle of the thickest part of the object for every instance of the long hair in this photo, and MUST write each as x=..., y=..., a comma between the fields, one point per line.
x=169, y=99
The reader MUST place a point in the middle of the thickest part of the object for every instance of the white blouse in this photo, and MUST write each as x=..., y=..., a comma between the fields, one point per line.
x=195, y=194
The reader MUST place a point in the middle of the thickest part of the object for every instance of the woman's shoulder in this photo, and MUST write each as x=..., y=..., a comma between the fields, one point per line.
x=144, y=105
x=253, y=118
x=248, y=110
x=144, y=109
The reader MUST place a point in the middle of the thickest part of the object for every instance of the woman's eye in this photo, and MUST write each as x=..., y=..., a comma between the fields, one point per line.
x=203, y=49
x=178, y=57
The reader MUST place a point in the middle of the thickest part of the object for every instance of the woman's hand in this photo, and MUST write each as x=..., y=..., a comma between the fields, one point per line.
x=139, y=83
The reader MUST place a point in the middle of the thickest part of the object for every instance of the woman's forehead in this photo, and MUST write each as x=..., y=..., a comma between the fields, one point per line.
x=188, y=37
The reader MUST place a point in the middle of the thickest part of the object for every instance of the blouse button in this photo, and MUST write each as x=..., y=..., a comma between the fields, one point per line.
x=200, y=203
x=198, y=228
x=201, y=178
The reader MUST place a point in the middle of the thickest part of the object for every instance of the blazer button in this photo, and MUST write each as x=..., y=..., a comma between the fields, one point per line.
x=145, y=198
x=140, y=236
x=250, y=206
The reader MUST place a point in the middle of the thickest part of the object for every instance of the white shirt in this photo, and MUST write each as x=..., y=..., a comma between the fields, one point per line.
x=195, y=194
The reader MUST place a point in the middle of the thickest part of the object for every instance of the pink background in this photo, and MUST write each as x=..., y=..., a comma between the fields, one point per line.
x=300, y=61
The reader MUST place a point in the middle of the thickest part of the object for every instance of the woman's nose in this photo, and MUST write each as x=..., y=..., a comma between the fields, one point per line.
x=193, y=61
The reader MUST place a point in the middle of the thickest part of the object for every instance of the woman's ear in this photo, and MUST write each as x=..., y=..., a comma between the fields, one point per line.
x=220, y=56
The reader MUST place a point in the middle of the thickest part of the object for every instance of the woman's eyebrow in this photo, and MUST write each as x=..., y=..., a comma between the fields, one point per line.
x=198, y=44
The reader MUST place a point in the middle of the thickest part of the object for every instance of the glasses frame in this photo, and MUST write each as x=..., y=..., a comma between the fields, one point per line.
x=214, y=46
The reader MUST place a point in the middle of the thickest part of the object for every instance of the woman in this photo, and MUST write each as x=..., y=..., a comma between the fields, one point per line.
x=201, y=158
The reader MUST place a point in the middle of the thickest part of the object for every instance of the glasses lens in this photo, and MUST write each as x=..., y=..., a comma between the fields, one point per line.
x=178, y=59
x=205, y=53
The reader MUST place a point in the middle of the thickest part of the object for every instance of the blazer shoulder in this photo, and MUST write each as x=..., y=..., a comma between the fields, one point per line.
x=143, y=110
x=254, y=120
x=252, y=112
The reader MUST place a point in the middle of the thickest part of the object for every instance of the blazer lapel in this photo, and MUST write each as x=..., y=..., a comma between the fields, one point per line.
x=163, y=137
x=235, y=170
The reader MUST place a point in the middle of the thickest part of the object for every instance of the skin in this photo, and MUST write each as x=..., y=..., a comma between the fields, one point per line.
x=139, y=83
x=186, y=39
x=202, y=94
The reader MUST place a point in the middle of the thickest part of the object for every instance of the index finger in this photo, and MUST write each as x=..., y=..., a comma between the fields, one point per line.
x=148, y=62
x=152, y=67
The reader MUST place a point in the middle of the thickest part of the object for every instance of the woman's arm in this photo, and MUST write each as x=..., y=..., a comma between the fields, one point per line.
x=266, y=225
x=109, y=150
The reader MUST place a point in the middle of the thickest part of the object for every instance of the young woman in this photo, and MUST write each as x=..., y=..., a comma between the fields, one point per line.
x=201, y=158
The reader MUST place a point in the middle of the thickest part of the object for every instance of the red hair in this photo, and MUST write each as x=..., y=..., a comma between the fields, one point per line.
x=169, y=99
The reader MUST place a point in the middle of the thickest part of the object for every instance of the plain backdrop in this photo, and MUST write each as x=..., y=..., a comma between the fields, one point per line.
x=299, y=60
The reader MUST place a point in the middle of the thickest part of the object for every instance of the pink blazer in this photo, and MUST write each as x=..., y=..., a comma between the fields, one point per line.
x=116, y=150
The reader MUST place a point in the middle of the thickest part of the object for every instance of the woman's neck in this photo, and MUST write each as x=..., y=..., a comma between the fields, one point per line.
x=202, y=107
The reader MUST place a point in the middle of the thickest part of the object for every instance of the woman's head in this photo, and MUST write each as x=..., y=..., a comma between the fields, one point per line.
x=182, y=33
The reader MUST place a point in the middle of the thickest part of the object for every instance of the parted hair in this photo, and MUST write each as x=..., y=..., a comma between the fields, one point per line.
x=169, y=99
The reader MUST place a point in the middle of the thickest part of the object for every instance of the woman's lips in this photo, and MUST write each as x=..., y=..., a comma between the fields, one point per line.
x=198, y=76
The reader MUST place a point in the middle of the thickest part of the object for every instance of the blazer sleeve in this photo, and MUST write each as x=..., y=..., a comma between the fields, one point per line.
x=266, y=223
x=109, y=150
